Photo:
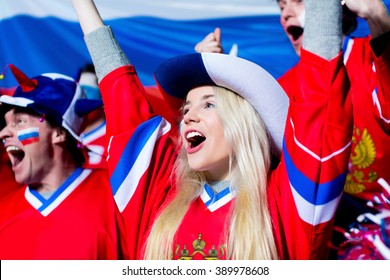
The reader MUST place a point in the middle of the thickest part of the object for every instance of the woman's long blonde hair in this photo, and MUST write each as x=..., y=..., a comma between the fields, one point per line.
x=250, y=234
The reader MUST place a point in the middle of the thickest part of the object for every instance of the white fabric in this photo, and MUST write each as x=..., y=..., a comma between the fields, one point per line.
x=17, y=101
x=173, y=9
x=256, y=85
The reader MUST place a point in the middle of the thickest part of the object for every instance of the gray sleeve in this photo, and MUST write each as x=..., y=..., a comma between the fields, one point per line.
x=105, y=51
x=323, y=33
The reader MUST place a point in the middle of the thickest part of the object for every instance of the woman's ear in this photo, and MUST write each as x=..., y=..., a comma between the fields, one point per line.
x=59, y=135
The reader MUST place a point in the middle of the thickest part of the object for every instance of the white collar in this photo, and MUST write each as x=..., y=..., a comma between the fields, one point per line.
x=46, y=206
x=214, y=201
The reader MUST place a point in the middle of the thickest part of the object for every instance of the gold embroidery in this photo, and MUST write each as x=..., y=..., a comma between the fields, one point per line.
x=364, y=152
x=362, y=156
x=183, y=253
x=198, y=246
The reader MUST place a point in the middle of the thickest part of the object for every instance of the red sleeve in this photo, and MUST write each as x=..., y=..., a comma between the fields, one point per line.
x=141, y=153
x=305, y=189
x=124, y=100
x=382, y=91
x=289, y=81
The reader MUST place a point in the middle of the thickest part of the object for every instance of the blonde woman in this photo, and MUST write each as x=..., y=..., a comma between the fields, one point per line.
x=214, y=194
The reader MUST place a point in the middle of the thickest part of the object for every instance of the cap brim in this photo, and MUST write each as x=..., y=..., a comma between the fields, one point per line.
x=15, y=101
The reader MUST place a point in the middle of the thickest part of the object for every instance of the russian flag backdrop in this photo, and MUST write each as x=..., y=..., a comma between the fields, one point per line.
x=41, y=36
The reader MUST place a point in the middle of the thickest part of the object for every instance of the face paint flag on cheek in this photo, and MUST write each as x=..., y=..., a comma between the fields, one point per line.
x=29, y=135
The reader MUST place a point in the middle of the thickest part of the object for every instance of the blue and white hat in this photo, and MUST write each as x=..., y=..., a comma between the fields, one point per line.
x=54, y=95
x=178, y=75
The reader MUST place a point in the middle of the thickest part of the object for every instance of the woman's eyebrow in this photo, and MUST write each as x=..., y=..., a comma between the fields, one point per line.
x=208, y=96
x=205, y=97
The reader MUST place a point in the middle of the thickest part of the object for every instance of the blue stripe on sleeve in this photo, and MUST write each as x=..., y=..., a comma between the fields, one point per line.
x=313, y=192
x=132, y=151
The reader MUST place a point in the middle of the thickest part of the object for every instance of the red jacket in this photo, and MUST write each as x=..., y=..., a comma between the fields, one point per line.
x=370, y=88
x=303, y=191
